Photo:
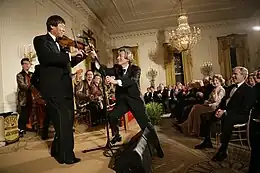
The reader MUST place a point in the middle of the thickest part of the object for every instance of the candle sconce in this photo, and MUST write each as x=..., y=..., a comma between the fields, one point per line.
x=206, y=69
x=151, y=75
x=28, y=52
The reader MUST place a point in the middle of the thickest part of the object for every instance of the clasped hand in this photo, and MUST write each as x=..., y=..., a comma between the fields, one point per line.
x=219, y=113
x=111, y=80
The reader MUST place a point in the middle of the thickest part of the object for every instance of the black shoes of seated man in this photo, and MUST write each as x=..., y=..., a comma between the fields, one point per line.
x=204, y=145
x=220, y=156
x=115, y=139
x=21, y=133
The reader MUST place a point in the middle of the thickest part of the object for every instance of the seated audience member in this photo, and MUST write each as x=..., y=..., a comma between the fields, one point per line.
x=161, y=96
x=192, y=125
x=146, y=95
x=254, y=166
x=188, y=97
x=152, y=95
x=96, y=100
x=233, y=109
x=207, y=88
x=82, y=89
x=251, y=79
x=257, y=75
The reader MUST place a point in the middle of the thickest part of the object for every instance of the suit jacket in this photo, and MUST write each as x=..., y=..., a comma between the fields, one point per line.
x=240, y=103
x=24, y=86
x=130, y=81
x=256, y=108
x=55, y=68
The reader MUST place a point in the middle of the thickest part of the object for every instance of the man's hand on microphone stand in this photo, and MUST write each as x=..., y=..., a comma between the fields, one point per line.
x=77, y=53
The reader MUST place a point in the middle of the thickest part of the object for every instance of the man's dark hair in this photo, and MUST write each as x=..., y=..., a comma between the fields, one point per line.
x=24, y=59
x=151, y=87
x=54, y=21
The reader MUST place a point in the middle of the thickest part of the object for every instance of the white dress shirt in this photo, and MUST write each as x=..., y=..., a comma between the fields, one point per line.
x=232, y=92
x=54, y=38
x=119, y=82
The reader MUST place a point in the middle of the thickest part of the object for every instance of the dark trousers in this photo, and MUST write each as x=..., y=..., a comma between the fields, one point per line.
x=254, y=166
x=60, y=111
x=227, y=123
x=95, y=112
x=136, y=106
x=23, y=117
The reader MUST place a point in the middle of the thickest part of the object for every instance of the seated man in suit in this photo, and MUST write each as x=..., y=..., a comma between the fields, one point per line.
x=126, y=77
x=233, y=109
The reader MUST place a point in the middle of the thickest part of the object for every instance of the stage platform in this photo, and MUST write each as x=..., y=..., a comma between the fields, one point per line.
x=31, y=155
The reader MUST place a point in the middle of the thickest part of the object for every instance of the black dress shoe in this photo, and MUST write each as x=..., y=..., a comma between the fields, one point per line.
x=115, y=139
x=160, y=153
x=220, y=156
x=203, y=145
x=70, y=162
x=21, y=133
x=178, y=127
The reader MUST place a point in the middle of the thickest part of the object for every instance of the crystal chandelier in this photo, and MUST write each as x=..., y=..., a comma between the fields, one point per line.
x=184, y=38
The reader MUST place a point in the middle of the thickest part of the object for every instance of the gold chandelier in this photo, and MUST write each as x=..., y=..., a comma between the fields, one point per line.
x=184, y=38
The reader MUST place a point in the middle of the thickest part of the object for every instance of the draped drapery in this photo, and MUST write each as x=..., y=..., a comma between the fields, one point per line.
x=242, y=51
x=187, y=66
x=239, y=42
x=224, y=57
x=134, y=51
x=169, y=65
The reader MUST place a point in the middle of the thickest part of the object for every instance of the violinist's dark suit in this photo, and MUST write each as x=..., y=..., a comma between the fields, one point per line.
x=56, y=88
x=128, y=98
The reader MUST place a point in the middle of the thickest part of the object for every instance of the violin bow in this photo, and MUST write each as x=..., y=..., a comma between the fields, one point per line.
x=75, y=40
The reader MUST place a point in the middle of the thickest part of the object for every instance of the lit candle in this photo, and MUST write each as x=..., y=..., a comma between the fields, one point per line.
x=24, y=50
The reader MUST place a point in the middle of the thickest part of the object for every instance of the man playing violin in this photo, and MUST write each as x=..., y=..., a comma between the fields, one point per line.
x=126, y=77
x=56, y=87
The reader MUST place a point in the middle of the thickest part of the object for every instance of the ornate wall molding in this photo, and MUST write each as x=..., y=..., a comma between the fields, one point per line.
x=80, y=5
x=128, y=35
x=218, y=24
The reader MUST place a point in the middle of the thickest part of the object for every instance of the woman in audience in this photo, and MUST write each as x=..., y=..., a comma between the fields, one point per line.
x=96, y=100
x=251, y=79
x=192, y=125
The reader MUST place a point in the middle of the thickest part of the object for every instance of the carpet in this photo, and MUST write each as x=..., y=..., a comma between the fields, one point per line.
x=30, y=155
x=181, y=157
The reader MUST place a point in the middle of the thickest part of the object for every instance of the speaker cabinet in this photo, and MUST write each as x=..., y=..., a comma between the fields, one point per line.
x=137, y=155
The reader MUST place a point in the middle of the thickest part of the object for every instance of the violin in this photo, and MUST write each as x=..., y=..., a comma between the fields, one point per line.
x=67, y=43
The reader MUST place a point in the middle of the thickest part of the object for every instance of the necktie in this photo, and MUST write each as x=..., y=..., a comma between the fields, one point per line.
x=57, y=43
x=124, y=71
x=232, y=92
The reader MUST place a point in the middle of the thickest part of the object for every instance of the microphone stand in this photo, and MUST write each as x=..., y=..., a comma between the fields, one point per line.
x=103, y=76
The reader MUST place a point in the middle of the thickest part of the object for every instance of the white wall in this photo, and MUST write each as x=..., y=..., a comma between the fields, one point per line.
x=206, y=50
x=22, y=20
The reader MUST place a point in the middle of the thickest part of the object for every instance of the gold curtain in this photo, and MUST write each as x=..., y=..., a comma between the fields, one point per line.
x=169, y=65
x=133, y=49
x=242, y=51
x=187, y=66
x=224, y=57
x=242, y=56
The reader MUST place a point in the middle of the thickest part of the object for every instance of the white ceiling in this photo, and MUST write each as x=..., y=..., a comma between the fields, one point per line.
x=133, y=15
